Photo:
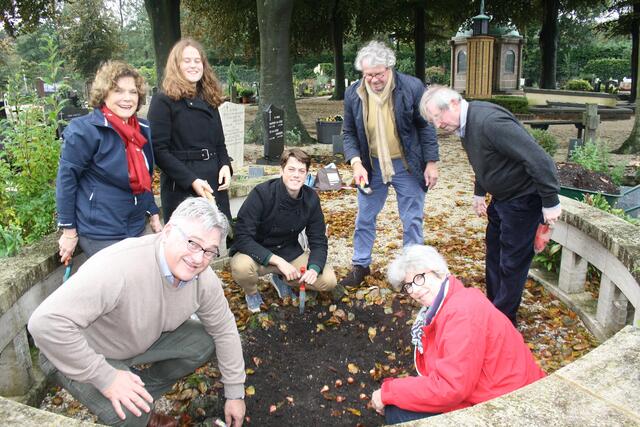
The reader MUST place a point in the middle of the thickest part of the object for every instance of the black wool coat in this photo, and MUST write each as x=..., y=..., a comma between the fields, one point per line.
x=193, y=126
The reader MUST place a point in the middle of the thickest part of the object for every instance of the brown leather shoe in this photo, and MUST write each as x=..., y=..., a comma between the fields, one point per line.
x=160, y=420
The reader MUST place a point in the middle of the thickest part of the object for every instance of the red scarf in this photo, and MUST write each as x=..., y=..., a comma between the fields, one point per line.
x=129, y=131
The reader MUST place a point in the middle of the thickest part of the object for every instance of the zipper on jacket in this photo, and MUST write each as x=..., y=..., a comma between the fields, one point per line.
x=91, y=196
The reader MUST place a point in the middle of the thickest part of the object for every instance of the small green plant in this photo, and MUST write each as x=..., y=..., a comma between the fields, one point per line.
x=29, y=162
x=600, y=202
x=292, y=137
x=246, y=92
x=546, y=140
x=595, y=157
x=579, y=85
x=550, y=257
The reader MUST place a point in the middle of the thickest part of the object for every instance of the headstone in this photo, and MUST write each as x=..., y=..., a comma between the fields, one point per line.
x=69, y=113
x=273, y=122
x=573, y=144
x=232, y=116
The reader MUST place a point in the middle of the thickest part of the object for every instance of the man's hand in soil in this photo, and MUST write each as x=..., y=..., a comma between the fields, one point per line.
x=287, y=270
x=234, y=410
x=376, y=401
x=128, y=389
x=551, y=215
x=479, y=205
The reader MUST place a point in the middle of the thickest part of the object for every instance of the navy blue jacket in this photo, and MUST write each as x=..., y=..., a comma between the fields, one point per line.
x=93, y=193
x=417, y=137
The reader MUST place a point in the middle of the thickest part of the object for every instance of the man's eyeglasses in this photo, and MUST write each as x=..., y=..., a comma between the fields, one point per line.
x=376, y=76
x=195, y=247
x=418, y=280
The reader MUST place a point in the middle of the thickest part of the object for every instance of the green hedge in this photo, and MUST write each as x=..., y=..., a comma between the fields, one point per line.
x=606, y=68
x=547, y=141
x=579, y=85
x=515, y=104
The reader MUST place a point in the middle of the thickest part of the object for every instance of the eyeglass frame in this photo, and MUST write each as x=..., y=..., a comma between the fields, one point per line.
x=195, y=247
x=377, y=76
x=408, y=287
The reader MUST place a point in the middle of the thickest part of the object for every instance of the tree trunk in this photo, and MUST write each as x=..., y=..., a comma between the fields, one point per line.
x=276, y=80
x=632, y=144
x=635, y=31
x=549, y=43
x=164, y=17
x=337, y=39
x=420, y=41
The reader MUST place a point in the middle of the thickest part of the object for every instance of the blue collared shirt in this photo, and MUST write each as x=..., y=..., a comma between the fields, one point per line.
x=464, y=107
x=166, y=271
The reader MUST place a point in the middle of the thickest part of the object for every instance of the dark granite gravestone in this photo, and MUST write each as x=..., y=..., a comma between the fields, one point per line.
x=69, y=113
x=273, y=122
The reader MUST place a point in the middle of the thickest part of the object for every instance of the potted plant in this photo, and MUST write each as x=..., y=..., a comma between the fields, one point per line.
x=327, y=127
x=246, y=93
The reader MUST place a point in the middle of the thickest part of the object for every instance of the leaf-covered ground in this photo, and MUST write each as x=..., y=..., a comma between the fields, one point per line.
x=320, y=368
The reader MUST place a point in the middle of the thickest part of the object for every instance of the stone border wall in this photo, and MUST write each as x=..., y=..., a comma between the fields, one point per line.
x=612, y=245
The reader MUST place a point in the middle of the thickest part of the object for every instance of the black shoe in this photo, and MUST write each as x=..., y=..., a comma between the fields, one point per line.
x=355, y=276
x=338, y=292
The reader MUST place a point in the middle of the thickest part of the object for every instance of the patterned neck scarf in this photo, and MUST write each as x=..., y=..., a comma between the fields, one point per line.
x=426, y=314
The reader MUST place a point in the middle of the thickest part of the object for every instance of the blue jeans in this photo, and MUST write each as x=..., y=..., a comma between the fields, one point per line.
x=410, y=196
x=510, y=232
x=395, y=415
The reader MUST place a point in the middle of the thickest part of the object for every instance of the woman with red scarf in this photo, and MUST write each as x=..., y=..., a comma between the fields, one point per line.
x=103, y=188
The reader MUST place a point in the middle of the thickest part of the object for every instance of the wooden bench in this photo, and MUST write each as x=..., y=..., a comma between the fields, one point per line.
x=544, y=124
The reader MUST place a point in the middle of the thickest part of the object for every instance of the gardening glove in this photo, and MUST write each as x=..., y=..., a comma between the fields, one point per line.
x=224, y=178
x=551, y=215
x=479, y=205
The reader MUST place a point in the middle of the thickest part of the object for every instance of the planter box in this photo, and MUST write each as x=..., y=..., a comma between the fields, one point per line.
x=326, y=131
x=578, y=194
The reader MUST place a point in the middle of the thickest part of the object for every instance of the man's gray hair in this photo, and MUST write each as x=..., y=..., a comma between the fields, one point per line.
x=440, y=96
x=202, y=210
x=375, y=53
x=416, y=258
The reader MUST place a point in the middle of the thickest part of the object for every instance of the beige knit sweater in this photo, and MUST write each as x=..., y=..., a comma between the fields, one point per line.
x=117, y=305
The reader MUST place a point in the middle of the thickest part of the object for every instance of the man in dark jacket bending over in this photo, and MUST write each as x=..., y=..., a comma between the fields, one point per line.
x=267, y=230
x=519, y=175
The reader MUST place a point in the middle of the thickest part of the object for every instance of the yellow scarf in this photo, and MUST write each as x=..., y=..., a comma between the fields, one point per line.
x=385, y=137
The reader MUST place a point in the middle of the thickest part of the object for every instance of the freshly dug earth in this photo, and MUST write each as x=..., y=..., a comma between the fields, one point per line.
x=576, y=176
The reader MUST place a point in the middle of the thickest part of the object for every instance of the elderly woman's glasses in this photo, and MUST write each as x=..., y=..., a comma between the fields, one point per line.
x=418, y=280
x=195, y=247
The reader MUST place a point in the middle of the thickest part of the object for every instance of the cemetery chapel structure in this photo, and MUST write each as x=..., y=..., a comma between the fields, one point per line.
x=486, y=61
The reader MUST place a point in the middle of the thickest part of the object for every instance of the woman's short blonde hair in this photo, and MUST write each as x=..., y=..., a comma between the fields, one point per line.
x=176, y=86
x=107, y=79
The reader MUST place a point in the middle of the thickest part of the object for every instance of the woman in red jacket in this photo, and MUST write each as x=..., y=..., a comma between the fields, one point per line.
x=466, y=351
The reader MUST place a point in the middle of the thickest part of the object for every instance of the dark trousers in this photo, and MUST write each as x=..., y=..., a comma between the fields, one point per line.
x=395, y=415
x=509, y=242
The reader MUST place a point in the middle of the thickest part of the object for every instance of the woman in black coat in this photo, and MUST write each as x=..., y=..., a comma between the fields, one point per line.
x=187, y=132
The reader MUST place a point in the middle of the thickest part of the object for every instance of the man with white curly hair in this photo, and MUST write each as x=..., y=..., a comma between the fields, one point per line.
x=387, y=142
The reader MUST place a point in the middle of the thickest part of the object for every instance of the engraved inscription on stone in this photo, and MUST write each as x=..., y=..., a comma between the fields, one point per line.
x=232, y=116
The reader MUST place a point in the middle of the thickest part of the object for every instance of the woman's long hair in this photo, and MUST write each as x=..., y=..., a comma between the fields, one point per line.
x=176, y=86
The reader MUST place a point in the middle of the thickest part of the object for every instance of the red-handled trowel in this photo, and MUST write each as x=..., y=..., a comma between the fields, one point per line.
x=303, y=292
